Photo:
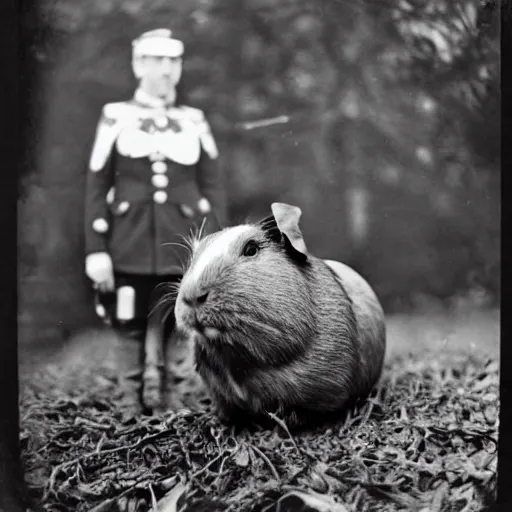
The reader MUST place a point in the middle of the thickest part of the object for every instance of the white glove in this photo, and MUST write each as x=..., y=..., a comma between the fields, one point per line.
x=99, y=268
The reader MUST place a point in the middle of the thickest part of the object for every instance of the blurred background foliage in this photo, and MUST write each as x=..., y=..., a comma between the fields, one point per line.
x=390, y=144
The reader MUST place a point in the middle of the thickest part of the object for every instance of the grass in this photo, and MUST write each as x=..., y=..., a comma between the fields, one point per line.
x=426, y=440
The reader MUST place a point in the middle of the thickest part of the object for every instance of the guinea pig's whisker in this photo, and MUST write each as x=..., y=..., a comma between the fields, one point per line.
x=190, y=241
x=187, y=241
x=201, y=229
x=162, y=301
x=169, y=287
x=167, y=312
x=194, y=240
x=187, y=248
x=167, y=299
x=172, y=294
x=188, y=252
x=196, y=234
x=182, y=264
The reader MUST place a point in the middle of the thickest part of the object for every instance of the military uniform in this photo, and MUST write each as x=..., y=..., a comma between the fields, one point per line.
x=151, y=166
x=149, y=169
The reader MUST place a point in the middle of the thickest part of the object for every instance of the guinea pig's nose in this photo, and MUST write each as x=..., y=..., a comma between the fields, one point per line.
x=194, y=300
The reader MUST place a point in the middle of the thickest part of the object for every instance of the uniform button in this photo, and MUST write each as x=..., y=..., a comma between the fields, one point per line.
x=111, y=195
x=159, y=167
x=156, y=156
x=204, y=205
x=187, y=211
x=161, y=122
x=100, y=225
x=160, y=180
x=160, y=196
x=123, y=207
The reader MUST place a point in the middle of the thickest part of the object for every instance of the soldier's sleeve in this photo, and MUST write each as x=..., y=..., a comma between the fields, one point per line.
x=99, y=179
x=209, y=174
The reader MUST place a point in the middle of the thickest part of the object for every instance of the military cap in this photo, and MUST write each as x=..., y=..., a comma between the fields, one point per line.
x=157, y=43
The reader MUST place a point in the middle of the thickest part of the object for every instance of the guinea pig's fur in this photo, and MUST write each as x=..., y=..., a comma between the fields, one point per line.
x=277, y=329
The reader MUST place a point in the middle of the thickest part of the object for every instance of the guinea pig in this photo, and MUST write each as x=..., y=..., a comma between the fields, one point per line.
x=275, y=328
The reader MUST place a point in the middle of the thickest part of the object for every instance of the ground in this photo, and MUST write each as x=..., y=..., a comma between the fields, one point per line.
x=426, y=439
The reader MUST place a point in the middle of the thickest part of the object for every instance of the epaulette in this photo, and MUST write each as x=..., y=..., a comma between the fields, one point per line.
x=113, y=118
x=204, y=131
x=118, y=111
x=195, y=115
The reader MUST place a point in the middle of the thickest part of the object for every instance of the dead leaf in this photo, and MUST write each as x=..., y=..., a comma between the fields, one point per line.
x=403, y=414
x=465, y=492
x=315, y=480
x=297, y=501
x=482, y=459
x=438, y=497
x=105, y=506
x=169, y=503
x=451, y=476
x=487, y=382
x=490, y=398
x=491, y=414
x=454, y=463
x=493, y=367
x=168, y=483
x=242, y=457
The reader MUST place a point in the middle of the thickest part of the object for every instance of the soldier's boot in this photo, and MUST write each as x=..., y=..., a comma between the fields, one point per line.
x=129, y=361
x=153, y=367
x=154, y=348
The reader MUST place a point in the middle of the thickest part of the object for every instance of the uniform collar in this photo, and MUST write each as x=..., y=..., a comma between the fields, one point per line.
x=147, y=100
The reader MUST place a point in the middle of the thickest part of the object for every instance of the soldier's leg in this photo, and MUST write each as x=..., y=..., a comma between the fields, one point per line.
x=160, y=326
x=153, y=362
x=125, y=311
x=182, y=384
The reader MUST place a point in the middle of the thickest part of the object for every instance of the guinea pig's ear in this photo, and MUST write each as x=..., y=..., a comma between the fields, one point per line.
x=269, y=226
x=287, y=220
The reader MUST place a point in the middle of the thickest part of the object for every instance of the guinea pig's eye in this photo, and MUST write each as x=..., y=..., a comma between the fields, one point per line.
x=251, y=248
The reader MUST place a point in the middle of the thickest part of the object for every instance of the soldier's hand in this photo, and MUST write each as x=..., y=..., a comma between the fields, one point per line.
x=99, y=268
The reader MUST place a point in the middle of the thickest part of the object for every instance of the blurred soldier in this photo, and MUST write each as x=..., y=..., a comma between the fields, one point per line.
x=152, y=179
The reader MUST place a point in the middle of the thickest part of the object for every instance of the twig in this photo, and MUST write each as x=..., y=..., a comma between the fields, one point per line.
x=222, y=467
x=280, y=422
x=84, y=421
x=267, y=460
x=185, y=453
x=154, y=504
x=101, y=442
x=202, y=470
x=367, y=413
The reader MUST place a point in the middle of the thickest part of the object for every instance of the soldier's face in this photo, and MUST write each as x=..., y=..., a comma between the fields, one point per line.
x=159, y=75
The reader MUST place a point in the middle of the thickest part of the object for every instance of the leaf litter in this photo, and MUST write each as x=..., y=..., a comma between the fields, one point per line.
x=426, y=440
